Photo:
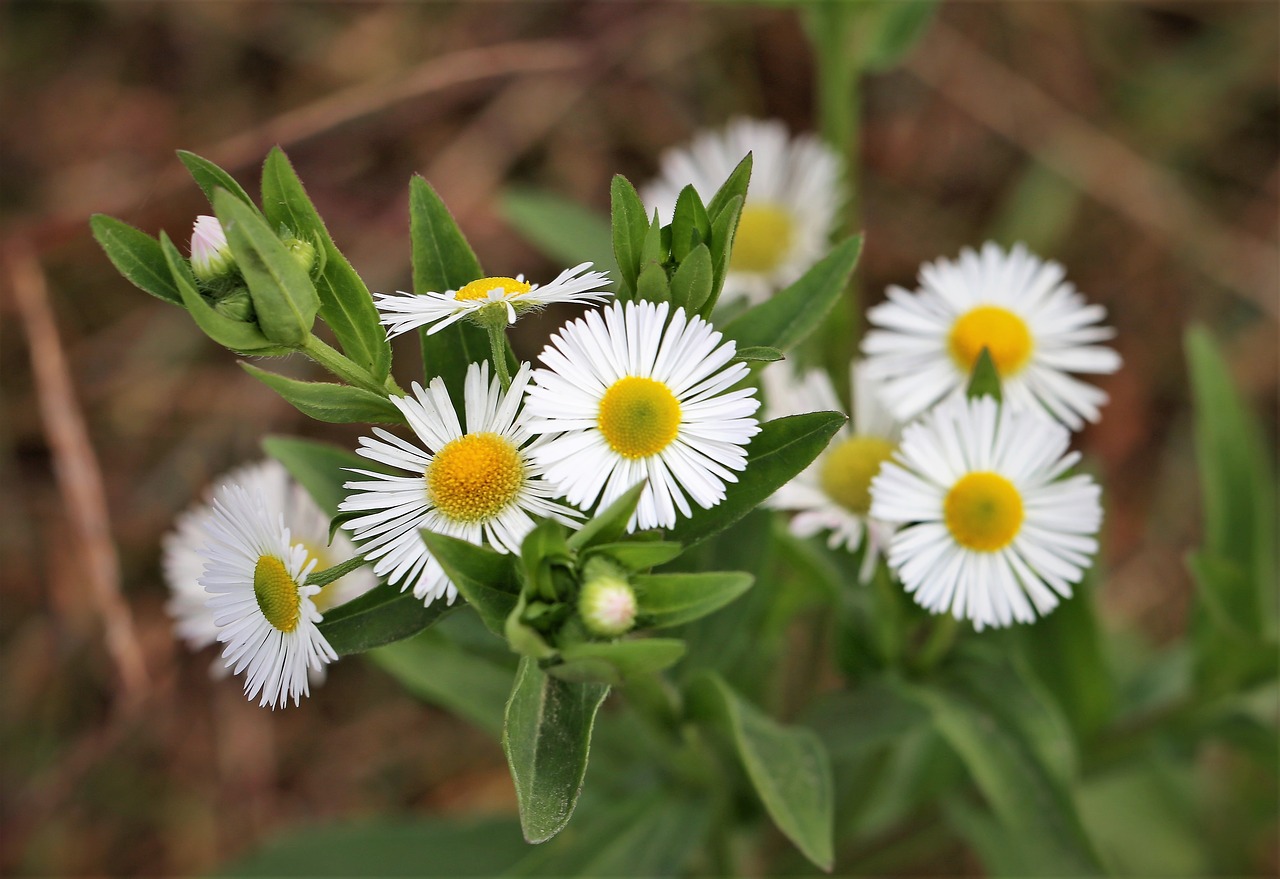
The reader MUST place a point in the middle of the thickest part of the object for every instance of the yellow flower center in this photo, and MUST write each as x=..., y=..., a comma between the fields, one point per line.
x=998, y=330
x=475, y=476
x=983, y=511
x=762, y=240
x=277, y=593
x=849, y=468
x=639, y=417
x=480, y=289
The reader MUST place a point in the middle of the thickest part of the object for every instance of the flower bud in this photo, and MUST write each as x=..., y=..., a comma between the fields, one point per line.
x=607, y=603
x=236, y=305
x=302, y=251
x=210, y=256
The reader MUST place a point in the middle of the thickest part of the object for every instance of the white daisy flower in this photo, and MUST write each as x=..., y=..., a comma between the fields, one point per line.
x=790, y=208
x=265, y=613
x=402, y=312
x=633, y=397
x=833, y=494
x=478, y=484
x=183, y=565
x=1034, y=323
x=995, y=534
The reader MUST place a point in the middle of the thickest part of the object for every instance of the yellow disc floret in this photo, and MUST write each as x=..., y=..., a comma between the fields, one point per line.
x=763, y=238
x=480, y=289
x=277, y=593
x=475, y=476
x=998, y=330
x=983, y=511
x=638, y=416
x=849, y=468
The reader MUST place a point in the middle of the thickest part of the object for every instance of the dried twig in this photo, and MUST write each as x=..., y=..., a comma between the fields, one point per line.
x=1099, y=164
x=79, y=477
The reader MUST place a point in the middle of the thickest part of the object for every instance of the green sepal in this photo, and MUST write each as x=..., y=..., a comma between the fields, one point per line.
x=788, y=766
x=318, y=467
x=608, y=524
x=345, y=303
x=547, y=739
x=329, y=402
x=616, y=662
x=690, y=224
x=781, y=449
x=630, y=224
x=380, y=616
x=691, y=283
x=664, y=600
x=638, y=555
x=984, y=380
x=137, y=256
x=788, y=317
x=239, y=336
x=284, y=299
x=486, y=579
x=210, y=178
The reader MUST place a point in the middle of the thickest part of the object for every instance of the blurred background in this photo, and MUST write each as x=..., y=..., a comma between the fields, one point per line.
x=1137, y=143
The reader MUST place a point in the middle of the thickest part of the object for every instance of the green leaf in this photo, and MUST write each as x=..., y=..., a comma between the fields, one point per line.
x=758, y=354
x=788, y=766
x=723, y=229
x=664, y=600
x=691, y=284
x=318, y=467
x=690, y=225
x=284, y=298
x=787, y=318
x=443, y=260
x=984, y=380
x=564, y=231
x=137, y=256
x=781, y=449
x=345, y=303
x=487, y=579
x=380, y=616
x=639, y=555
x=1023, y=794
x=853, y=722
x=616, y=662
x=435, y=669
x=328, y=402
x=210, y=178
x=427, y=847
x=630, y=224
x=734, y=186
x=652, y=284
x=241, y=337
x=898, y=27
x=610, y=523
x=547, y=739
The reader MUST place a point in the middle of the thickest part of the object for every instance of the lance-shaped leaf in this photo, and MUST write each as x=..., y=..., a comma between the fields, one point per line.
x=664, y=600
x=345, y=303
x=547, y=739
x=238, y=335
x=616, y=662
x=758, y=354
x=787, y=318
x=630, y=226
x=788, y=766
x=137, y=256
x=210, y=178
x=329, y=402
x=691, y=284
x=610, y=523
x=380, y=616
x=984, y=380
x=284, y=298
x=487, y=579
x=639, y=555
x=781, y=449
x=318, y=467
x=443, y=260
x=690, y=224
x=734, y=186
x=723, y=229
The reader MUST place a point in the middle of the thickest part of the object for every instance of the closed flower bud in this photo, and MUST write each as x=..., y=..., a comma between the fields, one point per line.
x=210, y=256
x=607, y=603
x=302, y=251
x=236, y=305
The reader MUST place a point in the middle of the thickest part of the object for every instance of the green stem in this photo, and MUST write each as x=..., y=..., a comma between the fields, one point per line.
x=346, y=369
x=498, y=352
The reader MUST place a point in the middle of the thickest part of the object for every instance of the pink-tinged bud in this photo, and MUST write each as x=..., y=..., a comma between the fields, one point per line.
x=210, y=256
x=607, y=603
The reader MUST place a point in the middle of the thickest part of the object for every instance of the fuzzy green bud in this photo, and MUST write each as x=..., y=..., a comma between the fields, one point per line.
x=607, y=603
x=236, y=305
x=302, y=251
